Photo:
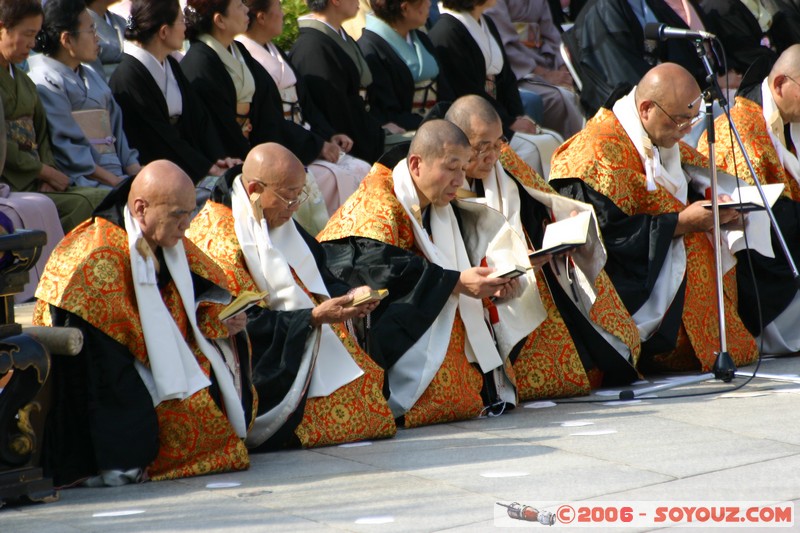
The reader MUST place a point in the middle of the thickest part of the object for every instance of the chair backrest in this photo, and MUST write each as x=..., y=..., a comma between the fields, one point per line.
x=568, y=61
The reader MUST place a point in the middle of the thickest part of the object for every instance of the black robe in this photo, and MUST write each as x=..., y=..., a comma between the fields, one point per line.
x=391, y=94
x=102, y=416
x=461, y=62
x=418, y=290
x=333, y=83
x=785, y=29
x=738, y=30
x=637, y=248
x=608, y=48
x=311, y=113
x=208, y=76
x=191, y=143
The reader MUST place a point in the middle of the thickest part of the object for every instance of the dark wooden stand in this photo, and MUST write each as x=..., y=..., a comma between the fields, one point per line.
x=22, y=400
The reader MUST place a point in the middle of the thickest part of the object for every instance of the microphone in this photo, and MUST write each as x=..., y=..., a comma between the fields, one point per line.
x=662, y=32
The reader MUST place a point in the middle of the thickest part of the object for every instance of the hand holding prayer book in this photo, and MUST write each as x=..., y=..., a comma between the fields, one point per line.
x=243, y=302
x=365, y=297
x=565, y=235
x=509, y=272
x=750, y=198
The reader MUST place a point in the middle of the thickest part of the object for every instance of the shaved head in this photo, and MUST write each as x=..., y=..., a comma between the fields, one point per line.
x=275, y=175
x=667, y=99
x=783, y=84
x=436, y=161
x=433, y=137
x=271, y=163
x=664, y=83
x=162, y=199
x=788, y=64
x=469, y=109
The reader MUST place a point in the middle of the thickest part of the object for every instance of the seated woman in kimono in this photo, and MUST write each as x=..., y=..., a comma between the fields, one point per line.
x=243, y=101
x=406, y=80
x=337, y=174
x=162, y=115
x=85, y=122
x=30, y=166
x=472, y=58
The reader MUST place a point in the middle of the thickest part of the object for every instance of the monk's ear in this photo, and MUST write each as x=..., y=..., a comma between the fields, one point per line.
x=253, y=188
x=414, y=161
x=139, y=205
x=645, y=108
x=777, y=84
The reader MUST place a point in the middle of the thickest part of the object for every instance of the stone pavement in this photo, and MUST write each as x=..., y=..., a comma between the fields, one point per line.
x=741, y=446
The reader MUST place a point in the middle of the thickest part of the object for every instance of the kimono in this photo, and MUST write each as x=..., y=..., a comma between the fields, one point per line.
x=588, y=338
x=397, y=94
x=28, y=148
x=187, y=139
x=438, y=365
x=334, y=82
x=64, y=92
x=336, y=180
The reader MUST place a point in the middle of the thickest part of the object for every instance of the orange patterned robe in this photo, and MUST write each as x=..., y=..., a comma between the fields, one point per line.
x=374, y=212
x=356, y=411
x=89, y=275
x=604, y=158
x=772, y=281
x=749, y=120
x=549, y=364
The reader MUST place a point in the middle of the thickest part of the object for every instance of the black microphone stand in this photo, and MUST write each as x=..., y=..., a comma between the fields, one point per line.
x=724, y=368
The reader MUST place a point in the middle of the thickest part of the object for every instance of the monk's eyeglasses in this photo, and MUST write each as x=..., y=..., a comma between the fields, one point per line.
x=685, y=122
x=482, y=149
x=290, y=204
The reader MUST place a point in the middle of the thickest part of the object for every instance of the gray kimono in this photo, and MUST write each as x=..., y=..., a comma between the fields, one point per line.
x=62, y=91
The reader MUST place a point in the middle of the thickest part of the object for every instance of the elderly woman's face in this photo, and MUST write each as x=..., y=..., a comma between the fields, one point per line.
x=17, y=42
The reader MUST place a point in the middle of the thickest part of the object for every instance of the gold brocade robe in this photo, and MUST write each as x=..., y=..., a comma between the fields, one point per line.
x=356, y=411
x=749, y=120
x=549, y=363
x=374, y=212
x=89, y=275
x=603, y=156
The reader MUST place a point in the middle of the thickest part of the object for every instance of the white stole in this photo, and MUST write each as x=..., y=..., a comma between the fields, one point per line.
x=174, y=372
x=649, y=316
x=662, y=165
x=271, y=254
x=448, y=252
